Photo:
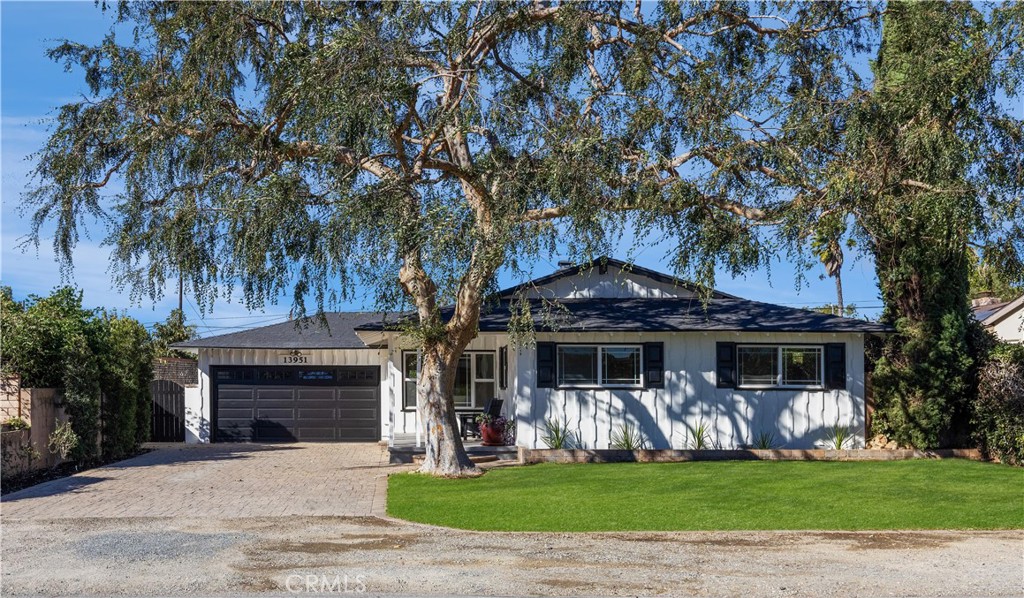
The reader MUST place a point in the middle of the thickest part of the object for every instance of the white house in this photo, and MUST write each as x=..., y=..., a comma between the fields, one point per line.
x=632, y=346
x=1005, y=319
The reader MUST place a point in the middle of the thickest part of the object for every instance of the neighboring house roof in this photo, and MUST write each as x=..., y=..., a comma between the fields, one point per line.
x=726, y=314
x=599, y=263
x=995, y=312
x=308, y=333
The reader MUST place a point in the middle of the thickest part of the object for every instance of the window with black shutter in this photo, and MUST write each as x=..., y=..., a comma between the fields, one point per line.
x=545, y=365
x=503, y=368
x=726, y=365
x=654, y=365
x=835, y=366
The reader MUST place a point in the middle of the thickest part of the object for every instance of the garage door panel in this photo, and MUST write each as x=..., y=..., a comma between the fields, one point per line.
x=233, y=432
x=357, y=415
x=322, y=404
x=315, y=394
x=326, y=415
x=229, y=414
x=275, y=394
x=290, y=408
x=274, y=431
x=274, y=414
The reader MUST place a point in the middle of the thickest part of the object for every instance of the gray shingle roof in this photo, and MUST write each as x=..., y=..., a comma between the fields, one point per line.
x=308, y=333
x=725, y=314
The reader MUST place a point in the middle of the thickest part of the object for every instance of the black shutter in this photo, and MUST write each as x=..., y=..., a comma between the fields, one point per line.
x=545, y=365
x=726, y=365
x=654, y=365
x=503, y=368
x=835, y=366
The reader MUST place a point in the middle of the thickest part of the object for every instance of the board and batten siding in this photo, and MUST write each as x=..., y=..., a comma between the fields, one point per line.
x=197, y=404
x=613, y=284
x=799, y=418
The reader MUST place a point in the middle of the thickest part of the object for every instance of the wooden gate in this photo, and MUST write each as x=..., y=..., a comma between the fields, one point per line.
x=168, y=412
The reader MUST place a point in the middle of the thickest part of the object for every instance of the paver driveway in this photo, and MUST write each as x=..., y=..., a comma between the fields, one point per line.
x=224, y=481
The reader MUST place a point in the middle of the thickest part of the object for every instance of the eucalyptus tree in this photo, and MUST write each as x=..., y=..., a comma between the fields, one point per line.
x=414, y=149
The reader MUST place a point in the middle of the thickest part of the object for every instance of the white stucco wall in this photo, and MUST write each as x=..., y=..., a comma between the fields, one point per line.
x=800, y=419
x=197, y=402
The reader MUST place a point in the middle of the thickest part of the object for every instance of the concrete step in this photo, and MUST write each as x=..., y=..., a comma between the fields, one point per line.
x=474, y=458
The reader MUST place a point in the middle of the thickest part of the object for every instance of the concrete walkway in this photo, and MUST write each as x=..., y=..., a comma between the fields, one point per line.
x=223, y=481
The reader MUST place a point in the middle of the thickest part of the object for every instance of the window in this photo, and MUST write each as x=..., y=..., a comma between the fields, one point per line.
x=620, y=366
x=769, y=366
x=577, y=366
x=801, y=366
x=759, y=366
x=410, y=369
x=585, y=365
x=474, y=379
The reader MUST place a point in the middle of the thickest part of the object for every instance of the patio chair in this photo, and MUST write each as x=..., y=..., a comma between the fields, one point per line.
x=467, y=419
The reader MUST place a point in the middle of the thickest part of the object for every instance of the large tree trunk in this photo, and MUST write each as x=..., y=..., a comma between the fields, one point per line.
x=445, y=455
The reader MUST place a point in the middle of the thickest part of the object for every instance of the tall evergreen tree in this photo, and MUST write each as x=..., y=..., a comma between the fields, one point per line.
x=937, y=168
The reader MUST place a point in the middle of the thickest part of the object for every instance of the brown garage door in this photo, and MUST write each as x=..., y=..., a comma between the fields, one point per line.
x=274, y=404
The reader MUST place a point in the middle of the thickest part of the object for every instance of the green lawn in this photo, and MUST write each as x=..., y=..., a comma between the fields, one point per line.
x=730, y=495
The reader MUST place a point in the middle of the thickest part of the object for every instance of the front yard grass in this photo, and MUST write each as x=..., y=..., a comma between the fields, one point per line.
x=729, y=495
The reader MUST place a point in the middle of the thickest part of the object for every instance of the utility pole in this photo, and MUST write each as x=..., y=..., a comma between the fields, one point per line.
x=180, y=293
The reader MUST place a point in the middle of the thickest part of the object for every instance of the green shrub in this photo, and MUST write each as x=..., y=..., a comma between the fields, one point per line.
x=558, y=435
x=51, y=342
x=628, y=438
x=999, y=407
x=17, y=423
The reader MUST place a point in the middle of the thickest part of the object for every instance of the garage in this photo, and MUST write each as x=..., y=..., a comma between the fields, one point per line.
x=295, y=403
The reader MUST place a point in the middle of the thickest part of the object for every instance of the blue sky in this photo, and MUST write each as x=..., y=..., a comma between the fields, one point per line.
x=32, y=86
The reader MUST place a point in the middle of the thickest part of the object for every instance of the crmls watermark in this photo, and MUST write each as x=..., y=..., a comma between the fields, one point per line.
x=325, y=584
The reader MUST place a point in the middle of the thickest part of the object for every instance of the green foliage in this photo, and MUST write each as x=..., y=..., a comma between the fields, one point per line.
x=628, y=437
x=174, y=330
x=126, y=366
x=63, y=440
x=765, y=441
x=838, y=437
x=53, y=342
x=999, y=408
x=921, y=494
x=989, y=278
x=929, y=177
x=455, y=142
x=16, y=423
x=699, y=436
x=558, y=435
x=849, y=310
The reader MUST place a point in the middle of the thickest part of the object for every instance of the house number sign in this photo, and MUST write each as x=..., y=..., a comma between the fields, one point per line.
x=294, y=358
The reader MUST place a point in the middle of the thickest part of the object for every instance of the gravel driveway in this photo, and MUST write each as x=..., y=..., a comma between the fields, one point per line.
x=176, y=556
x=263, y=545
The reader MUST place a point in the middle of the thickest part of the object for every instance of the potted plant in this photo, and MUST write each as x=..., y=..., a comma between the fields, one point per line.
x=492, y=429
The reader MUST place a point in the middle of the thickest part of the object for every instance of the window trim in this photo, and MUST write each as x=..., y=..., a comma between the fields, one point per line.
x=600, y=367
x=472, y=380
x=780, y=367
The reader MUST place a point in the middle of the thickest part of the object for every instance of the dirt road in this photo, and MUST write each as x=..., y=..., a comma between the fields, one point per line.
x=285, y=555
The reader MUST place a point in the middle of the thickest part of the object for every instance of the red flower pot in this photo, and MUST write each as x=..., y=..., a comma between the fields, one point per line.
x=492, y=435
